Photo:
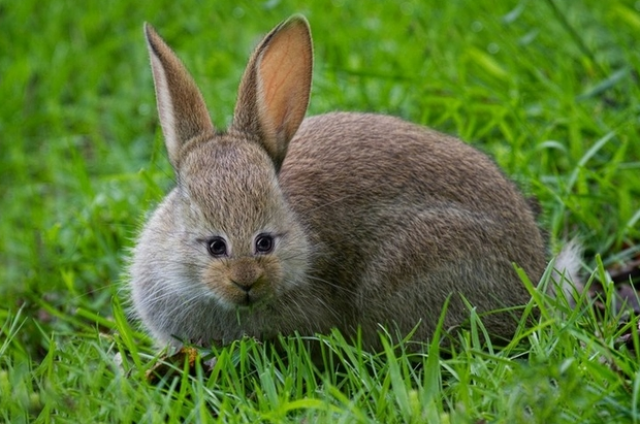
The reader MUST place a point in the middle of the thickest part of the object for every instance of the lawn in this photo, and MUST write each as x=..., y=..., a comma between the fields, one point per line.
x=549, y=88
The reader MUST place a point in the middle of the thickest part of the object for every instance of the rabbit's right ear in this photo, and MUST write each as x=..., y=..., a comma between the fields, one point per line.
x=274, y=92
x=183, y=113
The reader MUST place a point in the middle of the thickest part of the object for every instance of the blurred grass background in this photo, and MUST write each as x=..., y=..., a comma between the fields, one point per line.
x=548, y=88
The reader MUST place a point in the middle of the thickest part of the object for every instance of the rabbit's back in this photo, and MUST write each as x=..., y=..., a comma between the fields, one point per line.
x=402, y=216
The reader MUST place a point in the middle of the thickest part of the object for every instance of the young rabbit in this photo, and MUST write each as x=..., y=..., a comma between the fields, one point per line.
x=283, y=224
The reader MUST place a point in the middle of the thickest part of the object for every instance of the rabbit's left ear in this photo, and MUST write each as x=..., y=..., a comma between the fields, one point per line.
x=274, y=92
x=183, y=112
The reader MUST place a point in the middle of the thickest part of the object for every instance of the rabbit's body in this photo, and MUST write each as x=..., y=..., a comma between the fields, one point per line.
x=342, y=220
x=399, y=220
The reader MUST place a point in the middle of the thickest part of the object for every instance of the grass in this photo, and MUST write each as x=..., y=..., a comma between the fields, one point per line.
x=548, y=88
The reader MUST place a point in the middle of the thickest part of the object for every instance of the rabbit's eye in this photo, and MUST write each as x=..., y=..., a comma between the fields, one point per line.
x=217, y=247
x=264, y=243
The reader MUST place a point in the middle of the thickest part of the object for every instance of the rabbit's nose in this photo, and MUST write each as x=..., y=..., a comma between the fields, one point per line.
x=245, y=274
x=245, y=286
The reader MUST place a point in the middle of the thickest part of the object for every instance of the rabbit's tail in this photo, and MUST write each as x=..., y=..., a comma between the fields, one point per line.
x=565, y=276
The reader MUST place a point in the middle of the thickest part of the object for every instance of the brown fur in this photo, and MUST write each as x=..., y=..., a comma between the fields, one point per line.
x=376, y=220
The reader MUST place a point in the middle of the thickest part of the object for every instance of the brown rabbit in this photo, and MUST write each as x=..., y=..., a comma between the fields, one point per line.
x=283, y=224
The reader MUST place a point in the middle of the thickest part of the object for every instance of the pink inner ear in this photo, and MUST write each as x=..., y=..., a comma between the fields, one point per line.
x=284, y=78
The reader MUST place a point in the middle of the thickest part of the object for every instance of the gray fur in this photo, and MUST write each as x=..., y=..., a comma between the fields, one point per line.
x=377, y=220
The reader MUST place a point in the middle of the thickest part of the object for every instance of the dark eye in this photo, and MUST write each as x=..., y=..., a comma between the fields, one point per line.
x=264, y=243
x=217, y=247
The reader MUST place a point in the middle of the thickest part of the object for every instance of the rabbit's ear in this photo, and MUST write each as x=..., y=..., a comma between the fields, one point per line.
x=183, y=113
x=274, y=92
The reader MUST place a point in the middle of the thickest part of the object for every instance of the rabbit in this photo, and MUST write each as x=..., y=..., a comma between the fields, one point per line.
x=348, y=221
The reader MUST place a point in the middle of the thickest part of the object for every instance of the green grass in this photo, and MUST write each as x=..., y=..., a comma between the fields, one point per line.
x=550, y=92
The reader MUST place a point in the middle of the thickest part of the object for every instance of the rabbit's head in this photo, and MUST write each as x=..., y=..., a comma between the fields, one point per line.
x=225, y=234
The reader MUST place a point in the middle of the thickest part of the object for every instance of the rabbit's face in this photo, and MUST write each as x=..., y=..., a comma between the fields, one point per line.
x=250, y=247
x=224, y=239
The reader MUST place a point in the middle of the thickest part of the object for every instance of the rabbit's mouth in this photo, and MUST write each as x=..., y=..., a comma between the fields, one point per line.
x=249, y=301
x=242, y=296
x=242, y=282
